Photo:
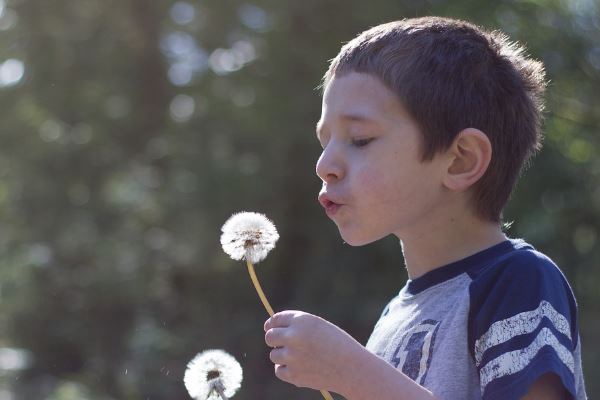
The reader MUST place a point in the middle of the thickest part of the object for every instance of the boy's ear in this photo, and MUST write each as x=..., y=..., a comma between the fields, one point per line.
x=469, y=157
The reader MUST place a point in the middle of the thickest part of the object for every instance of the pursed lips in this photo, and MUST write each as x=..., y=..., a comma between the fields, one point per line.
x=329, y=204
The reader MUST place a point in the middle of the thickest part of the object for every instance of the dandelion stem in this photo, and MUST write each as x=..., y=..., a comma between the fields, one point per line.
x=221, y=392
x=259, y=290
x=269, y=309
x=326, y=395
x=216, y=385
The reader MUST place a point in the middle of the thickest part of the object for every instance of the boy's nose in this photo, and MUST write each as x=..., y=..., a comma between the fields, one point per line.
x=328, y=167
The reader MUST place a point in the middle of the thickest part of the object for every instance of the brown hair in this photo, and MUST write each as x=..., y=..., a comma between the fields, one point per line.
x=452, y=75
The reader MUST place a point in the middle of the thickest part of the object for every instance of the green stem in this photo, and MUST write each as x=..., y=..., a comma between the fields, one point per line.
x=259, y=290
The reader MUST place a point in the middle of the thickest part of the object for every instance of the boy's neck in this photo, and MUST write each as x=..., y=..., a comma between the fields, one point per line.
x=448, y=241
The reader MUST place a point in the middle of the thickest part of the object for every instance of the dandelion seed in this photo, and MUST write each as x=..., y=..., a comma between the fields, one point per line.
x=213, y=374
x=248, y=235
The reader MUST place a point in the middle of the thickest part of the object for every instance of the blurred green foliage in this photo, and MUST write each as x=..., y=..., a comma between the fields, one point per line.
x=132, y=129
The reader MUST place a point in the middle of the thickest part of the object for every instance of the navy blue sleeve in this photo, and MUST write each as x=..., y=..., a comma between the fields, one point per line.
x=522, y=324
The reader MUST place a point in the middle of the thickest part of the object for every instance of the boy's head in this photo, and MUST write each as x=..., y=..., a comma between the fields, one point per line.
x=451, y=75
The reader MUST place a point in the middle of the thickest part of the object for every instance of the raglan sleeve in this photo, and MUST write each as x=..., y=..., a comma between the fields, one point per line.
x=522, y=325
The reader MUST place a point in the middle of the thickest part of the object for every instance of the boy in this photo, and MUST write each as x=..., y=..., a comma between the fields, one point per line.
x=425, y=126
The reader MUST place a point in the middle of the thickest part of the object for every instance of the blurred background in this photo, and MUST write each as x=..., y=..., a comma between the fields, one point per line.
x=132, y=129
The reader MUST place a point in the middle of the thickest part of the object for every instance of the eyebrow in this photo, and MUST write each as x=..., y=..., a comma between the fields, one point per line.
x=349, y=117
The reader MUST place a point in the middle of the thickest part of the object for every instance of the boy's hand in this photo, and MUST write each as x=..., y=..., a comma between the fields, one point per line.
x=309, y=351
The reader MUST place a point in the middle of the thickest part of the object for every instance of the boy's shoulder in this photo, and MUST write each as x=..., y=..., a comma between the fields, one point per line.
x=522, y=270
x=519, y=280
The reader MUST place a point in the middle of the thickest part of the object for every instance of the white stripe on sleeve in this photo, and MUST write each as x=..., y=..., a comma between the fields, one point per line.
x=515, y=361
x=520, y=324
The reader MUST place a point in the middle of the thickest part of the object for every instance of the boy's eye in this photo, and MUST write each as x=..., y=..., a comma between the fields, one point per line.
x=361, y=142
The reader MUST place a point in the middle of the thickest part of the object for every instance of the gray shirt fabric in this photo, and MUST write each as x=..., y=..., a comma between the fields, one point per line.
x=485, y=327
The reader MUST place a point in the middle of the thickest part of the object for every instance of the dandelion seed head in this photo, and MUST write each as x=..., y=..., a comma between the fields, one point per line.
x=210, y=370
x=249, y=236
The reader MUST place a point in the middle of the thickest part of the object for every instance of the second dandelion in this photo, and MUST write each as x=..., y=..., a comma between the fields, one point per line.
x=213, y=374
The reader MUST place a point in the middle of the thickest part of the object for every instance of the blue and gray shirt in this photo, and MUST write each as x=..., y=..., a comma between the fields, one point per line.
x=485, y=327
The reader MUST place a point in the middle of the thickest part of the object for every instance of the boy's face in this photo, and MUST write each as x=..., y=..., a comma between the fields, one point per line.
x=374, y=182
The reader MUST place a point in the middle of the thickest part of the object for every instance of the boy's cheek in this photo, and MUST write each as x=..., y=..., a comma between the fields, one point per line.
x=375, y=186
x=368, y=178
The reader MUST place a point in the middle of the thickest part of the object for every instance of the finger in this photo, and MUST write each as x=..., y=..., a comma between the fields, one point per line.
x=276, y=337
x=283, y=372
x=279, y=356
x=279, y=320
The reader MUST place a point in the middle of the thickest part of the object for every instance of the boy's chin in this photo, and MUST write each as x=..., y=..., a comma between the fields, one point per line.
x=356, y=240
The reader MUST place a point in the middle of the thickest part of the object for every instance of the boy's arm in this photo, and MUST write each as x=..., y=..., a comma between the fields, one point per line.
x=311, y=352
x=548, y=387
